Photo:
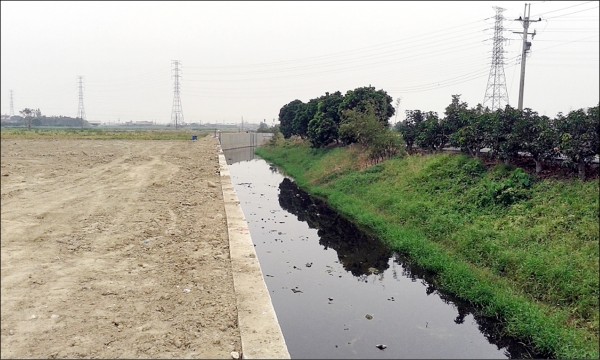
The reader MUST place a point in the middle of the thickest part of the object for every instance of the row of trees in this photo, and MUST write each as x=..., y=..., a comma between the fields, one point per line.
x=506, y=132
x=360, y=116
x=320, y=118
x=33, y=117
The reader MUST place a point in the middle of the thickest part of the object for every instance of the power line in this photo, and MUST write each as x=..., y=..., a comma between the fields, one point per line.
x=568, y=7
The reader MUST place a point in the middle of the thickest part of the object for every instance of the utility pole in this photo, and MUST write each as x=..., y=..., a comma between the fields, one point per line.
x=496, y=86
x=176, y=113
x=526, y=48
x=12, y=107
x=80, y=110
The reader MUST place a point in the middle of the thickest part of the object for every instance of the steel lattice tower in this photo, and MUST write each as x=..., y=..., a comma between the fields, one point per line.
x=495, y=92
x=81, y=110
x=12, y=107
x=176, y=113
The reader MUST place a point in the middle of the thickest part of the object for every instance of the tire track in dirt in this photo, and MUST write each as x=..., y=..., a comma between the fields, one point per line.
x=120, y=255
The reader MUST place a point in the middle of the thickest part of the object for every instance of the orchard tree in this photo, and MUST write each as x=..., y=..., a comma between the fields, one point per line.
x=322, y=130
x=303, y=116
x=360, y=127
x=502, y=140
x=368, y=131
x=578, y=136
x=360, y=98
x=408, y=127
x=453, y=119
x=299, y=126
x=472, y=136
x=429, y=132
x=286, y=117
x=536, y=136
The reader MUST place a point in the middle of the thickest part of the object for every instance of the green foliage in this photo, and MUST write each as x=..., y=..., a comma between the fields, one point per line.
x=501, y=139
x=263, y=128
x=360, y=126
x=322, y=130
x=429, y=132
x=504, y=188
x=364, y=129
x=578, y=134
x=524, y=251
x=304, y=115
x=408, y=127
x=286, y=117
x=454, y=116
x=508, y=132
x=536, y=136
x=361, y=98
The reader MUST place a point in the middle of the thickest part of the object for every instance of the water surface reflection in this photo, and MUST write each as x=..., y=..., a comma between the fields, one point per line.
x=326, y=278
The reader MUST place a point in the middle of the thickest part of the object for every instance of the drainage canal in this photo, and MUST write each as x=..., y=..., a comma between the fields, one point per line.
x=339, y=293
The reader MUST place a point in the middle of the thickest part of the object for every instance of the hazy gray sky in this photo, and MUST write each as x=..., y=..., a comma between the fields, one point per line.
x=250, y=58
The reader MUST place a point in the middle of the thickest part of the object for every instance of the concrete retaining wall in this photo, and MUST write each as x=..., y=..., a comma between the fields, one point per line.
x=259, y=329
x=241, y=140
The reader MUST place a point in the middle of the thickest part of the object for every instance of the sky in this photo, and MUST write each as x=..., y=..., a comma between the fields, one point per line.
x=247, y=59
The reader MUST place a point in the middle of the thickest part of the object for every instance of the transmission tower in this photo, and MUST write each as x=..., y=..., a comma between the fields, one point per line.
x=495, y=92
x=12, y=107
x=80, y=110
x=176, y=113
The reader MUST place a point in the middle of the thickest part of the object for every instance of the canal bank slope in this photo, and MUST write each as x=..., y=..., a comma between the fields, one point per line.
x=523, y=250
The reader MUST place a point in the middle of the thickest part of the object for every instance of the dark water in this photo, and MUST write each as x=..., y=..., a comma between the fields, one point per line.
x=338, y=293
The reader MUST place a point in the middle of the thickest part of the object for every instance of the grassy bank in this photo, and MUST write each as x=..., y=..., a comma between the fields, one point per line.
x=98, y=134
x=524, y=250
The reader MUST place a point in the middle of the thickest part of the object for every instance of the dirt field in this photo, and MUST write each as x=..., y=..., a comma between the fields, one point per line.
x=114, y=249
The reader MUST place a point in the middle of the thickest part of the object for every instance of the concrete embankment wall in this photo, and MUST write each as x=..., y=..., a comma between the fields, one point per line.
x=260, y=332
x=242, y=139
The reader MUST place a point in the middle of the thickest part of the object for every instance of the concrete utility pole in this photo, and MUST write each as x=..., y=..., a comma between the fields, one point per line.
x=176, y=113
x=526, y=47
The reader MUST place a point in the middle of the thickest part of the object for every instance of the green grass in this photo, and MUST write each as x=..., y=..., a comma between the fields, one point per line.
x=99, y=134
x=523, y=250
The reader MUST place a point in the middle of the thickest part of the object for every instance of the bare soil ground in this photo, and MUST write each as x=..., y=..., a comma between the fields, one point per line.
x=114, y=249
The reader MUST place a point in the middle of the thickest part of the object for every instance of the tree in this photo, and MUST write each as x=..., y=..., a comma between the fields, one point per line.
x=331, y=105
x=536, y=136
x=322, y=130
x=454, y=118
x=27, y=114
x=472, y=136
x=369, y=132
x=359, y=98
x=578, y=136
x=503, y=142
x=263, y=128
x=286, y=117
x=408, y=127
x=429, y=132
x=360, y=127
x=303, y=116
